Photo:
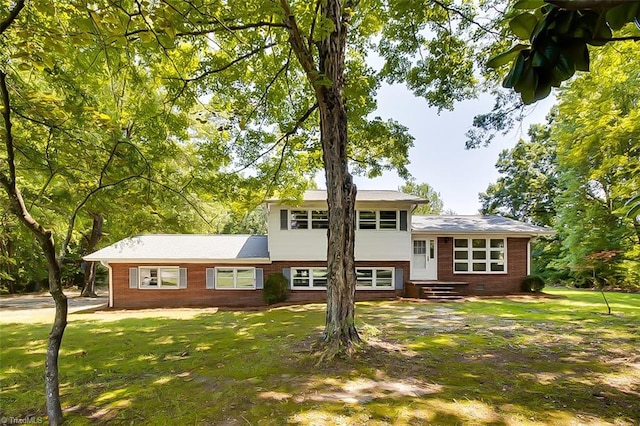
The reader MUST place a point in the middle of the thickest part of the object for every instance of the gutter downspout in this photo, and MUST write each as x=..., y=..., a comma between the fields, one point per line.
x=529, y=257
x=106, y=265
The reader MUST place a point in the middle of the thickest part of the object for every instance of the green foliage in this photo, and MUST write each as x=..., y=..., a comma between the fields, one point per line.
x=276, y=289
x=580, y=174
x=425, y=191
x=532, y=283
x=558, y=41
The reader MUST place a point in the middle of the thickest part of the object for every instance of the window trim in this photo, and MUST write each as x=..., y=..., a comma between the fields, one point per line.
x=378, y=220
x=159, y=286
x=487, y=261
x=235, y=277
x=374, y=278
x=310, y=286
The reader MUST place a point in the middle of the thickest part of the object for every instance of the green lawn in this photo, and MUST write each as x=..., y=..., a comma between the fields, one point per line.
x=496, y=361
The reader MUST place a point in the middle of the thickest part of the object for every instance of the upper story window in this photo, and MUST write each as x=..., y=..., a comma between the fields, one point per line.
x=365, y=219
x=319, y=219
x=382, y=219
x=304, y=219
x=479, y=255
x=299, y=219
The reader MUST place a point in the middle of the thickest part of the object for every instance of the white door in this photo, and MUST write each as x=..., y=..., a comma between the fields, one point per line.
x=424, y=264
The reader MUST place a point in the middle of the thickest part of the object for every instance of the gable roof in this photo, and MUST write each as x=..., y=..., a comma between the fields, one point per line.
x=362, y=195
x=185, y=248
x=476, y=224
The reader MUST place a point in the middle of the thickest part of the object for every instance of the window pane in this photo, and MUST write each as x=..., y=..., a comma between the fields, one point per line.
x=367, y=219
x=169, y=277
x=419, y=247
x=497, y=267
x=300, y=277
x=461, y=267
x=224, y=278
x=479, y=267
x=477, y=243
x=432, y=249
x=299, y=219
x=461, y=255
x=497, y=255
x=148, y=277
x=388, y=219
x=460, y=243
x=364, y=277
x=319, y=277
x=245, y=278
x=497, y=243
x=319, y=219
x=479, y=255
x=384, y=278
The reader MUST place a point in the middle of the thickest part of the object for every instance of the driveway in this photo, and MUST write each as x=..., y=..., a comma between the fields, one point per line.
x=40, y=307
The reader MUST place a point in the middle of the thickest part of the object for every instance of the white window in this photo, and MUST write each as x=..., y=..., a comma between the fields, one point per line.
x=159, y=277
x=308, y=219
x=367, y=220
x=319, y=219
x=306, y=278
x=479, y=255
x=374, y=278
x=378, y=219
x=299, y=219
x=236, y=278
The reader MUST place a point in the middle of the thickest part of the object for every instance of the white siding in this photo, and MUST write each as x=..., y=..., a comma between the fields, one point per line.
x=311, y=244
x=383, y=245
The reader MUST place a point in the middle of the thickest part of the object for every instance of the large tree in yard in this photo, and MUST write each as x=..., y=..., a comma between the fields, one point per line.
x=290, y=84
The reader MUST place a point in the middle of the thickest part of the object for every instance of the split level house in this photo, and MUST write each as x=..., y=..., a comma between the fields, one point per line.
x=397, y=254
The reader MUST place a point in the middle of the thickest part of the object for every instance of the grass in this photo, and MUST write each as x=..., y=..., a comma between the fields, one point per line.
x=498, y=361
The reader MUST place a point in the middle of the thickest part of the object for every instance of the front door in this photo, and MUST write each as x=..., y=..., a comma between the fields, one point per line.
x=424, y=264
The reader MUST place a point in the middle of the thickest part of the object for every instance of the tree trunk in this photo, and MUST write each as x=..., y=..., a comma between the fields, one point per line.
x=340, y=330
x=89, y=280
x=45, y=238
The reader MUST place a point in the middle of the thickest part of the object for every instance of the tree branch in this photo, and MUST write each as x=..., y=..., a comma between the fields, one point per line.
x=466, y=18
x=13, y=14
x=290, y=132
x=230, y=64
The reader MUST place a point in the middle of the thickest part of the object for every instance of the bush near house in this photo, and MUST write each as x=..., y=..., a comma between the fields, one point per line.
x=276, y=289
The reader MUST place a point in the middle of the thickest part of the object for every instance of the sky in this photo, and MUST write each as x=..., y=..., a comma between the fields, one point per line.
x=439, y=157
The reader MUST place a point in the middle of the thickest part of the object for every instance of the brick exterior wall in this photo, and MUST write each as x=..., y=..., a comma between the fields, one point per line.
x=487, y=283
x=196, y=293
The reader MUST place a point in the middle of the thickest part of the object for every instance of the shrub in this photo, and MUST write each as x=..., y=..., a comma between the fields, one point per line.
x=276, y=289
x=532, y=283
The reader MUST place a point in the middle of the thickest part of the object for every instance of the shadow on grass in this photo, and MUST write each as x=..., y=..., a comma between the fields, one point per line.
x=487, y=363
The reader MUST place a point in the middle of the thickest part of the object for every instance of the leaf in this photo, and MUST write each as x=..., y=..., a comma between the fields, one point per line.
x=515, y=73
x=523, y=25
x=622, y=14
x=528, y=4
x=506, y=57
x=579, y=55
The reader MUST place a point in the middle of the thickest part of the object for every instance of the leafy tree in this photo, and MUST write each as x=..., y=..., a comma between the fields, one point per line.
x=287, y=81
x=554, y=39
x=425, y=191
x=598, y=147
x=528, y=185
x=77, y=135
